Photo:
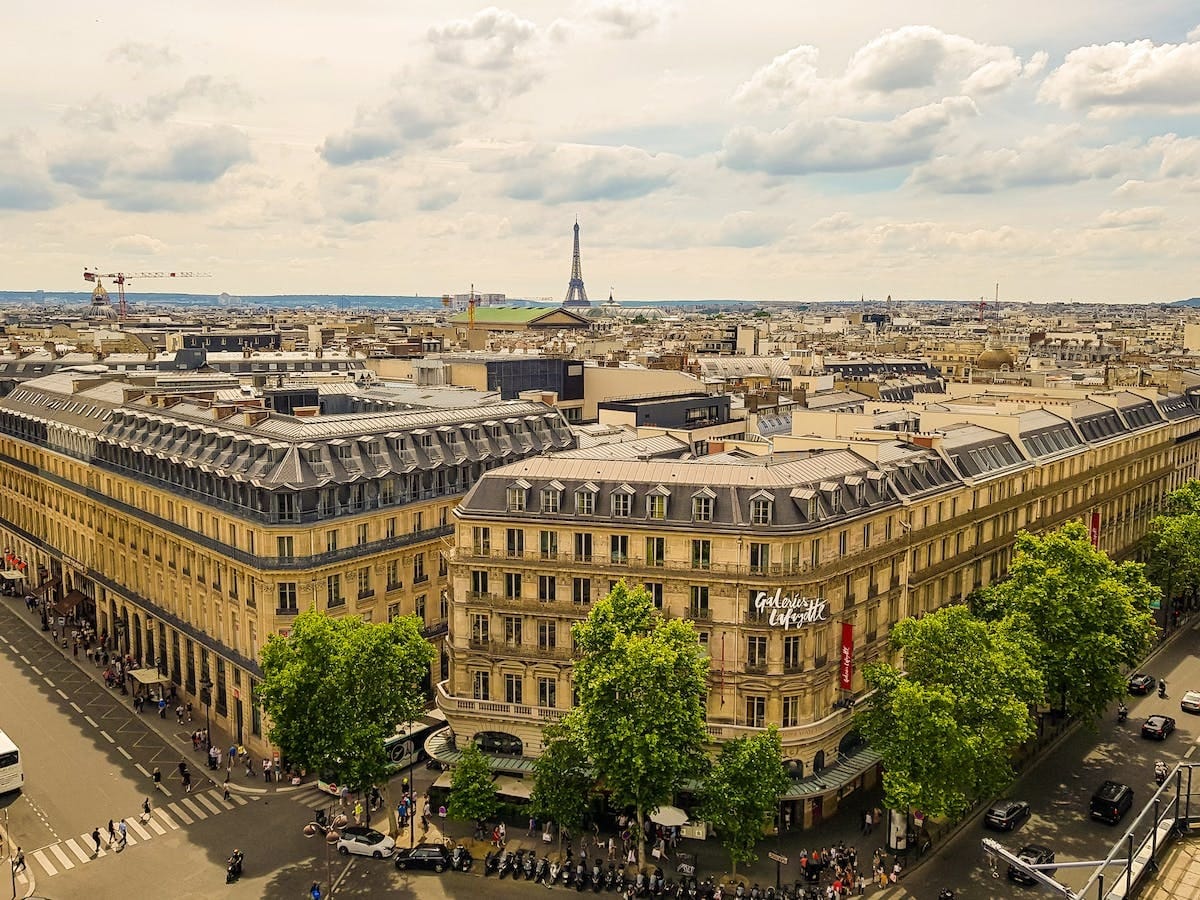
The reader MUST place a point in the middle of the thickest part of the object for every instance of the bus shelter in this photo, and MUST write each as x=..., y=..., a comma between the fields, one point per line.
x=149, y=683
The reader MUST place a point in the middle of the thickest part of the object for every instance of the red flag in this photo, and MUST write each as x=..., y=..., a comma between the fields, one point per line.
x=847, y=673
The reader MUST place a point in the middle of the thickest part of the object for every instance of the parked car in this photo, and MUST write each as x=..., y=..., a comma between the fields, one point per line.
x=1190, y=702
x=424, y=856
x=1158, y=727
x=1141, y=683
x=363, y=841
x=1005, y=815
x=1034, y=855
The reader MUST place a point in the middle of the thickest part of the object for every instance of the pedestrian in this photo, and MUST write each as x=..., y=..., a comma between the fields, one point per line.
x=862, y=885
x=195, y=741
x=187, y=782
x=19, y=862
x=96, y=838
x=249, y=764
x=496, y=836
x=225, y=795
x=787, y=820
x=867, y=823
x=503, y=830
x=112, y=832
x=123, y=832
x=146, y=810
x=189, y=711
x=233, y=751
x=162, y=707
x=278, y=766
x=179, y=715
x=157, y=776
x=266, y=769
x=315, y=891
x=612, y=846
x=358, y=811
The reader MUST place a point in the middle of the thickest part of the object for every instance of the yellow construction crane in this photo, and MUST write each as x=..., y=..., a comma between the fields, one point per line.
x=120, y=279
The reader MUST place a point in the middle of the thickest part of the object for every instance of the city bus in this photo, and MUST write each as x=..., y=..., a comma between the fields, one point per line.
x=403, y=749
x=12, y=775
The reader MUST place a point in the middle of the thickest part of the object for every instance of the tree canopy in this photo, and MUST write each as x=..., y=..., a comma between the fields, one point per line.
x=742, y=792
x=1086, y=617
x=336, y=688
x=1171, y=546
x=472, y=793
x=641, y=682
x=563, y=779
x=945, y=725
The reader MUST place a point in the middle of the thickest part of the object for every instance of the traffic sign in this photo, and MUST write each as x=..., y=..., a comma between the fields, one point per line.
x=778, y=857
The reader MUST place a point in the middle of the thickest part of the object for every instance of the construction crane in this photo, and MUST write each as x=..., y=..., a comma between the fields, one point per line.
x=121, y=278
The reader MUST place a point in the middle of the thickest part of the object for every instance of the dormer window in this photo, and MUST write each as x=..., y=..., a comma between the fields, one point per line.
x=858, y=488
x=702, y=505
x=427, y=440
x=585, y=500
x=345, y=452
x=656, y=502
x=551, y=497
x=516, y=493
x=622, y=502
x=760, y=510
x=374, y=449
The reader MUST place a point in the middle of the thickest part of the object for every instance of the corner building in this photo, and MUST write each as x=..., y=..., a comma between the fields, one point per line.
x=793, y=566
x=191, y=526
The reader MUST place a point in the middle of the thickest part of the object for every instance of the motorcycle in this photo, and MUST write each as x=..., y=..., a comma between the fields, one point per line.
x=539, y=874
x=530, y=865
x=489, y=863
x=755, y=893
x=505, y=863
x=555, y=870
x=1122, y=713
x=740, y=893
x=461, y=859
x=945, y=894
x=1160, y=772
x=597, y=877
x=610, y=877
x=580, y=877
x=1162, y=688
x=233, y=868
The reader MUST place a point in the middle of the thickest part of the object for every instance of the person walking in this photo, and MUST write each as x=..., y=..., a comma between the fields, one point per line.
x=266, y=769
x=112, y=833
x=123, y=832
x=187, y=781
x=96, y=839
x=19, y=861
x=157, y=777
x=249, y=764
x=146, y=810
x=189, y=712
x=179, y=715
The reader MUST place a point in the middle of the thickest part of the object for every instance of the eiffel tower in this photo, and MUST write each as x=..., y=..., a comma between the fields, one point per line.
x=576, y=292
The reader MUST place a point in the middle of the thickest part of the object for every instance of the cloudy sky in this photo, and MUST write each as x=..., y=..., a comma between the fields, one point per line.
x=764, y=149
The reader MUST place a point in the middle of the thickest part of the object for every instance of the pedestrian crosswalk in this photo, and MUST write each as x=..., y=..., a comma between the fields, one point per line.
x=67, y=854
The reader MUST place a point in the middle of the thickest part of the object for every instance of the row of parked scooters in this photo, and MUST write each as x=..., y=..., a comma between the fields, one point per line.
x=526, y=864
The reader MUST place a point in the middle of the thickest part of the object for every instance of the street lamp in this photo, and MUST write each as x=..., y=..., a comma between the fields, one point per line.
x=333, y=833
x=206, y=699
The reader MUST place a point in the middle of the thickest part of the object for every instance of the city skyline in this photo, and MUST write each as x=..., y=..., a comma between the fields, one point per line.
x=791, y=154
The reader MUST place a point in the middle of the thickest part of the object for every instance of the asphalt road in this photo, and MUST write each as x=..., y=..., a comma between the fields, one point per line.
x=1060, y=785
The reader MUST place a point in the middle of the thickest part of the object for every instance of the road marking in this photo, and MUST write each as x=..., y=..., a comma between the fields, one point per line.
x=24, y=660
x=195, y=810
x=107, y=736
x=162, y=787
x=158, y=829
x=46, y=679
x=84, y=855
x=90, y=721
x=75, y=706
x=36, y=669
x=137, y=826
x=217, y=798
x=1190, y=751
x=162, y=814
x=124, y=752
x=42, y=858
x=239, y=799
x=141, y=769
x=212, y=807
x=60, y=693
x=57, y=850
x=183, y=816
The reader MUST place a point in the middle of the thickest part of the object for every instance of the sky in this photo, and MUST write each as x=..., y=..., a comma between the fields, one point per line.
x=768, y=149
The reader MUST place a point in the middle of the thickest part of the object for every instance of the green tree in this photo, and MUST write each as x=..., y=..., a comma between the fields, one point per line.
x=1184, y=500
x=742, y=792
x=472, y=794
x=336, y=688
x=1086, y=617
x=1172, y=551
x=563, y=780
x=641, y=681
x=946, y=724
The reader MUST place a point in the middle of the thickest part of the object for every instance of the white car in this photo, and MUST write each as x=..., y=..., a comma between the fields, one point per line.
x=1190, y=702
x=363, y=841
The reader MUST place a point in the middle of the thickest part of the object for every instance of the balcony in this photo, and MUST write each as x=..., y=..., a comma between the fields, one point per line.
x=366, y=595
x=756, y=668
x=496, y=712
x=700, y=613
x=286, y=611
x=504, y=649
x=421, y=578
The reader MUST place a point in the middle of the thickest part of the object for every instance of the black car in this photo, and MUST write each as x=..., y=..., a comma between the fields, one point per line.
x=1158, y=727
x=1035, y=855
x=424, y=856
x=1141, y=683
x=1005, y=815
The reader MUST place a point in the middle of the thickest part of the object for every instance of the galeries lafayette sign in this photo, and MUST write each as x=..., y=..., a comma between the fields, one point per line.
x=790, y=610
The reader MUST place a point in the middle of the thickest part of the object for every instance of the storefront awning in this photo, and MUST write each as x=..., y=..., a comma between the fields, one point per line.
x=837, y=776
x=46, y=587
x=147, y=676
x=69, y=602
x=513, y=787
x=12, y=575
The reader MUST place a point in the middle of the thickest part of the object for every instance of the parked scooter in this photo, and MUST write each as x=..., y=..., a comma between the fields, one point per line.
x=461, y=859
x=490, y=863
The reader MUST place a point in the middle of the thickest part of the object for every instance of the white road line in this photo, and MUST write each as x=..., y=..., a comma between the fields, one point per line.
x=141, y=769
x=84, y=855
x=44, y=860
x=155, y=827
x=137, y=826
x=193, y=808
x=124, y=752
x=162, y=814
x=217, y=798
x=163, y=787
x=238, y=799
x=36, y=669
x=212, y=807
x=90, y=721
x=58, y=851
x=75, y=706
x=1190, y=751
x=46, y=678
x=24, y=660
x=183, y=816
x=108, y=737
x=61, y=694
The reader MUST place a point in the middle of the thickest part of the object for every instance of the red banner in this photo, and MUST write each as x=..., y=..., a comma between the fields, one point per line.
x=1094, y=530
x=847, y=673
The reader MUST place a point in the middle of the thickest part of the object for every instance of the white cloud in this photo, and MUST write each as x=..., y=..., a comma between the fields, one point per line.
x=1135, y=77
x=492, y=39
x=844, y=145
x=628, y=19
x=24, y=185
x=1055, y=157
x=146, y=55
x=569, y=173
x=1137, y=217
x=137, y=245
